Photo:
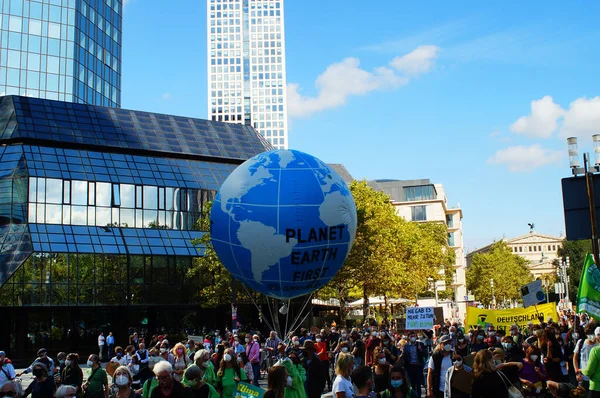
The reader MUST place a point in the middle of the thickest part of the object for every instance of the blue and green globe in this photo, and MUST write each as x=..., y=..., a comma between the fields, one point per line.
x=283, y=223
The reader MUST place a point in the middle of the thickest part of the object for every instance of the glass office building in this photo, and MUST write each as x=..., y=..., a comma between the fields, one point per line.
x=246, y=65
x=98, y=210
x=67, y=50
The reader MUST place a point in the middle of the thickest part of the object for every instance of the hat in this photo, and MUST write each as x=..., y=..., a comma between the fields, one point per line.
x=498, y=351
x=41, y=351
x=597, y=331
x=444, y=339
x=308, y=345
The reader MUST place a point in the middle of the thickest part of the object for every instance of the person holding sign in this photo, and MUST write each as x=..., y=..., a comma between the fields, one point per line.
x=458, y=379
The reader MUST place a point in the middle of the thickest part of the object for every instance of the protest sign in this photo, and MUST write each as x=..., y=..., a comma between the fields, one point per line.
x=502, y=319
x=419, y=318
x=245, y=390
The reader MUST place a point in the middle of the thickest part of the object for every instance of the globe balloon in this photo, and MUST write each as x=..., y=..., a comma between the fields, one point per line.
x=283, y=223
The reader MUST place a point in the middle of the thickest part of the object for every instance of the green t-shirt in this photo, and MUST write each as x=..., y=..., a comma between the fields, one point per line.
x=96, y=381
x=149, y=385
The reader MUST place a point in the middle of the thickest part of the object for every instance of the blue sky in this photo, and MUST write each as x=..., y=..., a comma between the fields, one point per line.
x=479, y=97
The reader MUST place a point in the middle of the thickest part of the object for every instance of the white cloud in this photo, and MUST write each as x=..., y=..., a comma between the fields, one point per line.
x=166, y=96
x=344, y=79
x=543, y=120
x=416, y=62
x=526, y=158
x=582, y=118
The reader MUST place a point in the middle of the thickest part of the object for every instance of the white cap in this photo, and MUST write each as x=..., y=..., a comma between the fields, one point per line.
x=597, y=331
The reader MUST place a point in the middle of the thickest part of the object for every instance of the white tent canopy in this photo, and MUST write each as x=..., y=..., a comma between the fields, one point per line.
x=378, y=301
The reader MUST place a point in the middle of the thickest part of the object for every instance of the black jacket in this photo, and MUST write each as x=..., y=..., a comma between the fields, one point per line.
x=315, y=378
x=179, y=391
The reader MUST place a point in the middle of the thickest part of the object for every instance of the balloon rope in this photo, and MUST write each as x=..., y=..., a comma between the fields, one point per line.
x=272, y=317
x=294, y=324
x=256, y=305
x=303, y=319
x=287, y=316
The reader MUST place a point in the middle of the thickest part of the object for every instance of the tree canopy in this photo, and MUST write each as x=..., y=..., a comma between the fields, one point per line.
x=576, y=250
x=508, y=271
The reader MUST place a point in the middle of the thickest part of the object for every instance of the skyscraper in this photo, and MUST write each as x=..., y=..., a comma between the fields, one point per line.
x=246, y=65
x=68, y=50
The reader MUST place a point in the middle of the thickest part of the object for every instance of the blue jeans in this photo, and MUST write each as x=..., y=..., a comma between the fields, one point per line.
x=256, y=371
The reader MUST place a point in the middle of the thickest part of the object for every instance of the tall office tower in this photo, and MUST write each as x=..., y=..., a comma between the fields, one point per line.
x=68, y=50
x=246, y=65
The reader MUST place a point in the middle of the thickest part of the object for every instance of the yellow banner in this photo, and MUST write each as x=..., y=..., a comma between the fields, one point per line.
x=502, y=319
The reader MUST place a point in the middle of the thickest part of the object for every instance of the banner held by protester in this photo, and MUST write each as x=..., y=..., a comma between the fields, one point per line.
x=588, y=295
x=502, y=319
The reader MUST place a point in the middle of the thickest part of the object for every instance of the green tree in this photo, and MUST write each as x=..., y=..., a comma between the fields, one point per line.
x=508, y=271
x=576, y=250
x=390, y=257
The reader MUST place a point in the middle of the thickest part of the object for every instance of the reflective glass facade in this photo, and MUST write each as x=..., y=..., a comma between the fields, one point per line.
x=99, y=206
x=246, y=65
x=67, y=50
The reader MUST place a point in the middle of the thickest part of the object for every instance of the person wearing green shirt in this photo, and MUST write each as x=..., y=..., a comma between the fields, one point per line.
x=298, y=374
x=202, y=360
x=195, y=380
x=229, y=374
x=592, y=370
x=96, y=385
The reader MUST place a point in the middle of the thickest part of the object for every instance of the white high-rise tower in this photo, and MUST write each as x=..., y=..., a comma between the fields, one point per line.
x=246, y=65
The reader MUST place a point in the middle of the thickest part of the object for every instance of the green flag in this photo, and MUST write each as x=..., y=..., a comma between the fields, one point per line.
x=588, y=295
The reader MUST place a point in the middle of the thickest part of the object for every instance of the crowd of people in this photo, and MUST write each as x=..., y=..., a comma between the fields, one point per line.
x=375, y=360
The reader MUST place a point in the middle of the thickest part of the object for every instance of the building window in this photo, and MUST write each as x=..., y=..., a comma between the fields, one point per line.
x=539, y=248
x=450, y=220
x=418, y=213
x=421, y=192
x=520, y=249
x=530, y=249
x=451, y=239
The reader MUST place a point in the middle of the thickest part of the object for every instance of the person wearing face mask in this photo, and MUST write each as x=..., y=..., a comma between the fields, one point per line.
x=450, y=391
x=439, y=363
x=271, y=348
x=122, y=387
x=242, y=359
x=581, y=355
x=510, y=369
x=43, y=385
x=229, y=374
x=370, y=344
x=462, y=345
x=479, y=344
x=488, y=382
x=180, y=361
x=167, y=386
x=413, y=355
x=11, y=389
x=72, y=374
x=96, y=385
x=532, y=373
x=61, y=357
x=399, y=385
x=202, y=360
x=392, y=354
x=315, y=377
x=119, y=358
x=512, y=351
x=296, y=376
x=195, y=381
x=381, y=371
x=323, y=356
x=253, y=353
x=358, y=348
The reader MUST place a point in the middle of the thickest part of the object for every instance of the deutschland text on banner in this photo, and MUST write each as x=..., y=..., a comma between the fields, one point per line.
x=588, y=296
x=502, y=319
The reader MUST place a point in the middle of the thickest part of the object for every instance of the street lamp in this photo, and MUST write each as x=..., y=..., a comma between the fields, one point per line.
x=435, y=289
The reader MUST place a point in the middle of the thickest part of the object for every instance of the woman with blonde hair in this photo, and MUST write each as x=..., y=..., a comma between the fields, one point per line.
x=122, y=380
x=489, y=382
x=342, y=386
x=180, y=361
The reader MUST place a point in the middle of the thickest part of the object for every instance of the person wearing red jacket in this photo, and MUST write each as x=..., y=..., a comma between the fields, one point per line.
x=323, y=355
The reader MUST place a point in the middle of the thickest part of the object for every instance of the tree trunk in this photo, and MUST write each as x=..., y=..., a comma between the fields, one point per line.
x=343, y=312
x=385, y=306
x=365, y=304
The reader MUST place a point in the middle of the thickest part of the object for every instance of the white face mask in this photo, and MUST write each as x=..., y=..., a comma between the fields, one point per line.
x=67, y=363
x=239, y=359
x=247, y=339
x=227, y=357
x=458, y=362
x=297, y=342
x=374, y=334
x=413, y=339
x=318, y=340
x=122, y=380
x=533, y=358
x=90, y=363
x=344, y=349
x=381, y=361
x=206, y=364
x=289, y=381
x=448, y=347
